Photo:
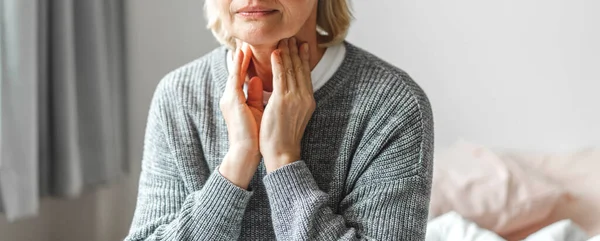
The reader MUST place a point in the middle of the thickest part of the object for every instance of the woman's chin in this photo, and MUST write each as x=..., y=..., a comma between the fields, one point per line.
x=260, y=40
x=264, y=35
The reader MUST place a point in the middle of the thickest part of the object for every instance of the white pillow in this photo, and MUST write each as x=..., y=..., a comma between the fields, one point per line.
x=565, y=230
x=453, y=227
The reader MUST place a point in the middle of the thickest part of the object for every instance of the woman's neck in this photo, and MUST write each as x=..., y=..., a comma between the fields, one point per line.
x=261, y=60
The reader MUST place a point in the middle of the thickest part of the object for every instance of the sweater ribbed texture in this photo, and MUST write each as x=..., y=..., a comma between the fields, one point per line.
x=364, y=174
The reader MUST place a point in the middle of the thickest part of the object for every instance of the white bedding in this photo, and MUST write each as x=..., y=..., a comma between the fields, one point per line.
x=453, y=227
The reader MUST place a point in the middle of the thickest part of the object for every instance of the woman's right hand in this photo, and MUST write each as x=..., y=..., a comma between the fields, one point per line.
x=243, y=117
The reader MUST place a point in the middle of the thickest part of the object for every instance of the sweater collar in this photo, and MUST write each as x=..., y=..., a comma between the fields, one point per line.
x=349, y=65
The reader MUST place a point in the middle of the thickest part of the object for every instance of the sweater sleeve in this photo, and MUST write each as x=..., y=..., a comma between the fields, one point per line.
x=165, y=208
x=389, y=201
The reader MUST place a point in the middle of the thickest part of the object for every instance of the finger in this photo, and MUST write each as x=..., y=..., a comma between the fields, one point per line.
x=279, y=85
x=305, y=53
x=298, y=67
x=238, y=43
x=247, y=51
x=233, y=80
x=255, y=93
x=290, y=78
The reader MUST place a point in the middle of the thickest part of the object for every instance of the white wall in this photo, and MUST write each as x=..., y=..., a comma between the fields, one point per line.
x=509, y=74
x=161, y=35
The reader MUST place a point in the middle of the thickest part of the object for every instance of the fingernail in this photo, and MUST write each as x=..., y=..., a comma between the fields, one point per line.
x=306, y=48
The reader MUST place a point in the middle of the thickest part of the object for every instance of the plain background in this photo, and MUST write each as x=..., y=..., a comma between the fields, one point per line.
x=509, y=74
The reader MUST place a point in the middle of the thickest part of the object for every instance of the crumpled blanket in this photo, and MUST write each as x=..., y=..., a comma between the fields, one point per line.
x=453, y=227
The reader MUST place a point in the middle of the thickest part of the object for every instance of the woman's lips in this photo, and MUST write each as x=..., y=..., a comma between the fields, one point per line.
x=256, y=11
x=259, y=13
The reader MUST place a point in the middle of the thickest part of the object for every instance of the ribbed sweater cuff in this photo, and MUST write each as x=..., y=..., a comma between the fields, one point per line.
x=225, y=197
x=290, y=183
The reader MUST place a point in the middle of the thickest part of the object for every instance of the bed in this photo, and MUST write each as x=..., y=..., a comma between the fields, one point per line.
x=515, y=195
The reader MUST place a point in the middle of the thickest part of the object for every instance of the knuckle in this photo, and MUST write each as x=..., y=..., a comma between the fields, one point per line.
x=290, y=71
x=231, y=78
x=281, y=76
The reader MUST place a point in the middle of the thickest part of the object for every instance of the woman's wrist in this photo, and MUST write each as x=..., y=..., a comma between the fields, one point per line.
x=274, y=162
x=239, y=166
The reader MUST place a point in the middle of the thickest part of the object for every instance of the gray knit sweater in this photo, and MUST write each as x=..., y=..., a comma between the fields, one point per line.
x=365, y=171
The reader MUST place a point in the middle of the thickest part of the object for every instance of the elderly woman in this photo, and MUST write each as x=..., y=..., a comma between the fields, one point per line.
x=286, y=132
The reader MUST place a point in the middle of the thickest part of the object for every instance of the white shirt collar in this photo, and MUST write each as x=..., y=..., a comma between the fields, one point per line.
x=323, y=71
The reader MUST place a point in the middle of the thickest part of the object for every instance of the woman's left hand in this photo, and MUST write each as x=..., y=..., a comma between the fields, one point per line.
x=290, y=106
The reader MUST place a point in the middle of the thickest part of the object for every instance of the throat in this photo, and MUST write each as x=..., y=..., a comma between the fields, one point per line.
x=262, y=72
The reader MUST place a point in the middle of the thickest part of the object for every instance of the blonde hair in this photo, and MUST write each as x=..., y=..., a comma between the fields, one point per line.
x=333, y=21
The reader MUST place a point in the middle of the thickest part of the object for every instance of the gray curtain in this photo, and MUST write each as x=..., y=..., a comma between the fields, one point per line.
x=62, y=100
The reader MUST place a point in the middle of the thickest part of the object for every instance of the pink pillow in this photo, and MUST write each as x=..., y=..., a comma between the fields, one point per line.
x=499, y=194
